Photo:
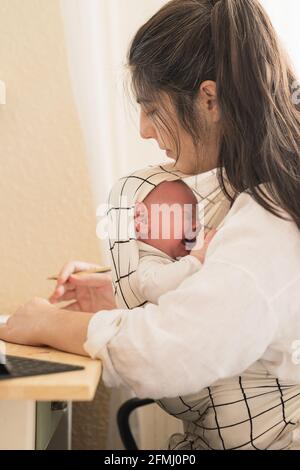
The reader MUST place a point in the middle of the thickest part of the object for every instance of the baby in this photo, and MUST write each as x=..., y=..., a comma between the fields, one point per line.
x=168, y=222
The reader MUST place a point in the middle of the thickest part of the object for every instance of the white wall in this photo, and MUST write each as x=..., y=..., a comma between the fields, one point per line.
x=285, y=16
x=98, y=33
x=45, y=218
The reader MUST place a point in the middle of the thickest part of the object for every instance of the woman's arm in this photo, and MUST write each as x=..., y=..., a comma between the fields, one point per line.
x=38, y=323
x=66, y=331
x=213, y=327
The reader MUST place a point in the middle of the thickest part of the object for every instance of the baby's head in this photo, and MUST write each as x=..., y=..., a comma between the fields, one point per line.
x=168, y=219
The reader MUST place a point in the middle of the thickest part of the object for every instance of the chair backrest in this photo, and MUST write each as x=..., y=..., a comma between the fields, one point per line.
x=123, y=417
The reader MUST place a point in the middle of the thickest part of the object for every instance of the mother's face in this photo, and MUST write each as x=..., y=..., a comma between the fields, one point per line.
x=193, y=159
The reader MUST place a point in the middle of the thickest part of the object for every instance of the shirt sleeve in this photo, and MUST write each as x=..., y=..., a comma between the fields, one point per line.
x=214, y=327
x=158, y=276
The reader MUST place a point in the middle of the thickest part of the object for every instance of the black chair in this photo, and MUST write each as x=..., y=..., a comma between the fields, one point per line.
x=123, y=417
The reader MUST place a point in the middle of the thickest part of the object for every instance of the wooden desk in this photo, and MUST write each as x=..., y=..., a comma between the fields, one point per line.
x=67, y=386
x=27, y=419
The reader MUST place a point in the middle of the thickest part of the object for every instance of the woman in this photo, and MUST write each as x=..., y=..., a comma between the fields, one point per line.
x=215, y=92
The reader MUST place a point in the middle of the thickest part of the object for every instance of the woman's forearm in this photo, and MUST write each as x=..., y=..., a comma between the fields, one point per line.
x=65, y=330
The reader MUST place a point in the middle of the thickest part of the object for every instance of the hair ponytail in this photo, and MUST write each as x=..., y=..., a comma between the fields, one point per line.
x=261, y=123
x=233, y=43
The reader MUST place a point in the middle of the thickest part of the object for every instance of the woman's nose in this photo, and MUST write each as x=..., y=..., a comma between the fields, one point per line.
x=147, y=129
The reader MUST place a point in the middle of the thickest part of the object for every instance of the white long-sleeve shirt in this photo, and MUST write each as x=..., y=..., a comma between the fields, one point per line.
x=157, y=274
x=243, y=306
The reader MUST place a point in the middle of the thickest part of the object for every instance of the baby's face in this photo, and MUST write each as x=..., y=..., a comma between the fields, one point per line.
x=182, y=235
x=169, y=219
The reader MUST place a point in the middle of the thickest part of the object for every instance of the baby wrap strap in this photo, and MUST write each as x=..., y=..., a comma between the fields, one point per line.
x=123, y=245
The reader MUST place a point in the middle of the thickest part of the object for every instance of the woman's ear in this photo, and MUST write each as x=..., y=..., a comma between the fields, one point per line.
x=208, y=100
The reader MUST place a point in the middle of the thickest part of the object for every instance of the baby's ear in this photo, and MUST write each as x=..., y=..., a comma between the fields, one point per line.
x=141, y=221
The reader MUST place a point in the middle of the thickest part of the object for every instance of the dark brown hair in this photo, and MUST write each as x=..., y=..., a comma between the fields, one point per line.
x=233, y=43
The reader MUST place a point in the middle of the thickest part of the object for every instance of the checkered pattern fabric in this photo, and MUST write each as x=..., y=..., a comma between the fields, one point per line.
x=252, y=411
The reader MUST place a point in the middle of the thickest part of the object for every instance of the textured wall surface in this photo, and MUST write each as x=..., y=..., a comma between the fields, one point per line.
x=46, y=214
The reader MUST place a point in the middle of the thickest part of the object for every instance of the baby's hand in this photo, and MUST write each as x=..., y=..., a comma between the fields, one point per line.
x=200, y=254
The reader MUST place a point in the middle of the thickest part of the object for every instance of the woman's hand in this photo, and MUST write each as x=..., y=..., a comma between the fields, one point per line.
x=201, y=254
x=38, y=323
x=25, y=326
x=89, y=293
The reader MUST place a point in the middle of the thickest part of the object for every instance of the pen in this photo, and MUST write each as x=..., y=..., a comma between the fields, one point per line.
x=105, y=269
